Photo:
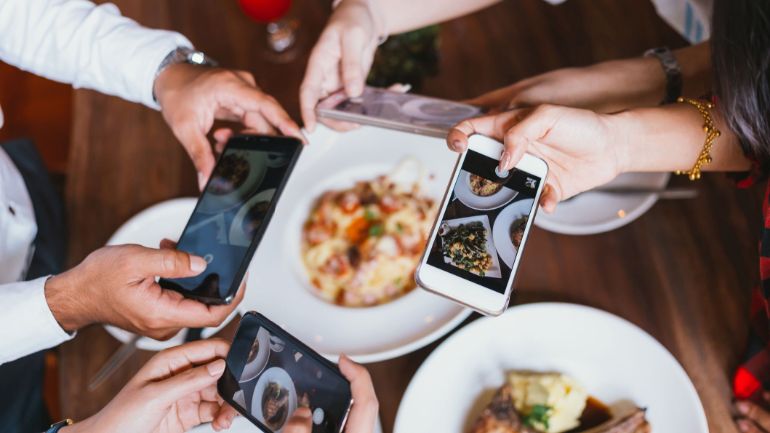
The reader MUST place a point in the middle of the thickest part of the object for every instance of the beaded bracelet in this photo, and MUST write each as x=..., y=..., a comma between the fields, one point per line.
x=711, y=135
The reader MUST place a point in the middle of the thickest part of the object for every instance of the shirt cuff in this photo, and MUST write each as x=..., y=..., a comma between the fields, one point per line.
x=165, y=43
x=27, y=324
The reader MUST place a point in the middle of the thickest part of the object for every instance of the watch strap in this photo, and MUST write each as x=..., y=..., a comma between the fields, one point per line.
x=673, y=71
x=184, y=55
x=59, y=425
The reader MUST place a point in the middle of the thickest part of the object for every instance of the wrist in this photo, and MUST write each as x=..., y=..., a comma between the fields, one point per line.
x=79, y=427
x=620, y=133
x=65, y=305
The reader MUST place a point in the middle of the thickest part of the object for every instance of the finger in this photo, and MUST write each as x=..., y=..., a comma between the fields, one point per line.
x=494, y=99
x=221, y=137
x=277, y=116
x=400, y=87
x=365, y=407
x=254, y=121
x=310, y=90
x=754, y=412
x=188, y=382
x=207, y=411
x=549, y=199
x=300, y=422
x=224, y=418
x=167, y=244
x=747, y=426
x=167, y=263
x=198, y=148
x=353, y=46
x=176, y=359
x=513, y=152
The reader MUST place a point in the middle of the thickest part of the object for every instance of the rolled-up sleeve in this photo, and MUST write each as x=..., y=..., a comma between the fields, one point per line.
x=89, y=46
x=26, y=322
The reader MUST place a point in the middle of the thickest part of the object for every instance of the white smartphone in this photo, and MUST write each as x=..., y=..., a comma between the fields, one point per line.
x=395, y=110
x=477, y=241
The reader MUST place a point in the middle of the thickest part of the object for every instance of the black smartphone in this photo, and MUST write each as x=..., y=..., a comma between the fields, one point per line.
x=270, y=374
x=233, y=212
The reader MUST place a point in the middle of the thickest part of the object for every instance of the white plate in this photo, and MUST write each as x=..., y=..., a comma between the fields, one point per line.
x=278, y=285
x=613, y=359
x=253, y=368
x=281, y=377
x=238, y=235
x=592, y=213
x=501, y=231
x=494, y=271
x=469, y=198
x=258, y=163
x=147, y=228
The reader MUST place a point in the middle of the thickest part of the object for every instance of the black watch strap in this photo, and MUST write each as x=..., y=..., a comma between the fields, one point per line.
x=672, y=70
x=59, y=425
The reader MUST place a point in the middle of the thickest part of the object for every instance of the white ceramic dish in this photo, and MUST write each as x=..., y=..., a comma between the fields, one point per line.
x=469, y=198
x=614, y=359
x=258, y=167
x=147, y=228
x=281, y=377
x=494, y=271
x=592, y=213
x=501, y=230
x=253, y=368
x=278, y=285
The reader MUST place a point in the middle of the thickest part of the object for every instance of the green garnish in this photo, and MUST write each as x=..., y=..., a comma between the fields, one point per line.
x=399, y=227
x=376, y=230
x=539, y=415
x=369, y=215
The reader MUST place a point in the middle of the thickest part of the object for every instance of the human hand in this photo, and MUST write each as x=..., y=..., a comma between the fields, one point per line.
x=604, y=87
x=363, y=414
x=753, y=418
x=174, y=392
x=116, y=285
x=341, y=58
x=192, y=97
x=582, y=148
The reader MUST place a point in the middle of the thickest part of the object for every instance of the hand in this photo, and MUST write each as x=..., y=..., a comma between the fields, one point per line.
x=362, y=416
x=192, y=97
x=116, y=285
x=604, y=87
x=341, y=58
x=581, y=148
x=174, y=392
x=753, y=417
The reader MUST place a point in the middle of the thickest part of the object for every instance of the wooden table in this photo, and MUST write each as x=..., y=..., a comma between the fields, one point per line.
x=682, y=272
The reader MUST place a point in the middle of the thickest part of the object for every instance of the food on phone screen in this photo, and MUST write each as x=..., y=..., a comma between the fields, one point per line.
x=554, y=403
x=275, y=405
x=361, y=245
x=466, y=246
x=483, y=187
x=230, y=174
x=517, y=230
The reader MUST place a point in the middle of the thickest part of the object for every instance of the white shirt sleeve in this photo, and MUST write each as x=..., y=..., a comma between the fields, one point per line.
x=26, y=323
x=90, y=46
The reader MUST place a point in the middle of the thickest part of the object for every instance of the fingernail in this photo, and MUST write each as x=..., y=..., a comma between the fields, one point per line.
x=303, y=412
x=505, y=160
x=744, y=425
x=742, y=407
x=197, y=264
x=201, y=179
x=216, y=368
x=354, y=89
x=456, y=145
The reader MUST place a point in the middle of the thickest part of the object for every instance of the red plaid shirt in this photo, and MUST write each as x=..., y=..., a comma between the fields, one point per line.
x=753, y=376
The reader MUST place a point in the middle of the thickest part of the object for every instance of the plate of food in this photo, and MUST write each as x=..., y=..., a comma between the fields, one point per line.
x=466, y=243
x=165, y=220
x=551, y=368
x=239, y=173
x=508, y=230
x=258, y=356
x=337, y=263
x=596, y=212
x=480, y=193
x=242, y=229
x=274, y=398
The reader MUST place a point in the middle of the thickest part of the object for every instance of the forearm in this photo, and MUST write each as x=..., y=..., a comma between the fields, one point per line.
x=670, y=138
x=404, y=15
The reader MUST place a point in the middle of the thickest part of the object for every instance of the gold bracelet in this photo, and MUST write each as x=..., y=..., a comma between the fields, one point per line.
x=711, y=135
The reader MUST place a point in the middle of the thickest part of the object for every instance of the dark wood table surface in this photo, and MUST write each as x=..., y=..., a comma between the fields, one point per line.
x=683, y=272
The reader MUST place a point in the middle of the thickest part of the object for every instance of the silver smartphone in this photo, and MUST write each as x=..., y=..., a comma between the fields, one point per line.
x=485, y=218
x=395, y=110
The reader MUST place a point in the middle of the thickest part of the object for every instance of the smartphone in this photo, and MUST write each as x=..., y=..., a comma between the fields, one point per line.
x=396, y=110
x=477, y=242
x=232, y=214
x=270, y=374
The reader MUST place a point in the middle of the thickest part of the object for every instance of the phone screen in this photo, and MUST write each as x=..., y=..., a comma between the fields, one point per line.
x=270, y=374
x=408, y=108
x=231, y=212
x=483, y=226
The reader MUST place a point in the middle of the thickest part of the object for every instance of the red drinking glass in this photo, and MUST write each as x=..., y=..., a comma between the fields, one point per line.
x=281, y=32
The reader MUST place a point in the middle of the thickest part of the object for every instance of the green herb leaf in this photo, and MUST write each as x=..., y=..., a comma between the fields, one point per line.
x=376, y=230
x=369, y=215
x=539, y=415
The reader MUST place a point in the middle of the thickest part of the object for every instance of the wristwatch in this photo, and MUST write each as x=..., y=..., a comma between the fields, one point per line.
x=672, y=70
x=184, y=55
x=58, y=426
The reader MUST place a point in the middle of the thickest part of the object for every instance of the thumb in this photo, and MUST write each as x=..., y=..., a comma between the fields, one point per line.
x=169, y=263
x=353, y=46
x=189, y=382
x=300, y=422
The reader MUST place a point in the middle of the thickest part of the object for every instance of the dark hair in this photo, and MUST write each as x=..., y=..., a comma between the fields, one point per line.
x=740, y=52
